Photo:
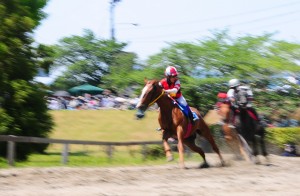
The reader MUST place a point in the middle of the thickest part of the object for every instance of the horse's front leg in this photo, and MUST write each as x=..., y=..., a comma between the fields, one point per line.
x=168, y=151
x=180, y=147
x=234, y=142
x=167, y=147
x=255, y=150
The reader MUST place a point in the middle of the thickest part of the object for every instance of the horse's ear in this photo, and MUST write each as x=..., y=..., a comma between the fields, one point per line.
x=145, y=80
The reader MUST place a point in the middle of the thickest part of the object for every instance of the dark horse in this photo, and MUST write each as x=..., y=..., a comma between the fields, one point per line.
x=174, y=124
x=247, y=129
x=250, y=128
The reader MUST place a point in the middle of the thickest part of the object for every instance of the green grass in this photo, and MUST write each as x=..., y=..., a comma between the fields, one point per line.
x=104, y=125
x=82, y=159
x=98, y=125
x=90, y=159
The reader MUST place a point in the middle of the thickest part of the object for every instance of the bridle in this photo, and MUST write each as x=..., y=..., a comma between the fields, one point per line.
x=162, y=93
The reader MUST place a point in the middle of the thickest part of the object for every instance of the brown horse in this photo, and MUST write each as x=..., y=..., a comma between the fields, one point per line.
x=174, y=124
x=236, y=143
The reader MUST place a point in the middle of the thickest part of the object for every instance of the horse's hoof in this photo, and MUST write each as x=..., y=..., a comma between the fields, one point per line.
x=256, y=161
x=238, y=158
x=170, y=158
x=182, y=166
x=204, y=165
x=268, y=161
x=223, y=163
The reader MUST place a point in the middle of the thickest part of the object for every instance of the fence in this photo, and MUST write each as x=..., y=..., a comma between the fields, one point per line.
x=12, y=140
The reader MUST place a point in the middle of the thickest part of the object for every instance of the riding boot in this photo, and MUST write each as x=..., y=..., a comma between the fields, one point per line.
x=192, y=116
x=231, y=120
x=189, y=114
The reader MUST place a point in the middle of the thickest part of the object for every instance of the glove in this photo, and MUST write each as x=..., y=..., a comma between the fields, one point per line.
x=171, y=92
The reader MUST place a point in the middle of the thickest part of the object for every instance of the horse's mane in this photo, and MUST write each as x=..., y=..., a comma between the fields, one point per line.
x=154, y=81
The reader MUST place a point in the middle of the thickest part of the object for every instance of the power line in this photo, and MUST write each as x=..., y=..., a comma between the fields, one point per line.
x=266, y=18
x=232, y=25
x=223, y=17
x=296, y=19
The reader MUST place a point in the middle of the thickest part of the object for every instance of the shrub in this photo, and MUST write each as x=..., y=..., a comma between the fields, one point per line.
x=281, y=136
x=155, y=152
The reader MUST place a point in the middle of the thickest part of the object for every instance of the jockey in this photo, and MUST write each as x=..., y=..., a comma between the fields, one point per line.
x=222, y=107
x=171, y=85
x=232, y=94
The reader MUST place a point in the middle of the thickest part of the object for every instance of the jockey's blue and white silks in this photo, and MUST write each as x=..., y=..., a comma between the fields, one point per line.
x=183, y=106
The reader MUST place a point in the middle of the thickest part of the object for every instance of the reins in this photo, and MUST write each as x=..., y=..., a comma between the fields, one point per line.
x=162, y=92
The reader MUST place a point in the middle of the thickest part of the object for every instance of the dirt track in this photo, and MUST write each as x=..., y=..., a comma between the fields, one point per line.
x=282, y=177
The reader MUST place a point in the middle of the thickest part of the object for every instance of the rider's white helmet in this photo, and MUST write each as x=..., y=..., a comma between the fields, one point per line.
x=233, y=83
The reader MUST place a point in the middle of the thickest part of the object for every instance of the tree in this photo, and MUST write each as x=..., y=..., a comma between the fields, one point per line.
x=86, y=59
x=23, y=110
x=207, y=65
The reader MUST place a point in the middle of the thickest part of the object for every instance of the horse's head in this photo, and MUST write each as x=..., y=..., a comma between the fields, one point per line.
x=150, y=94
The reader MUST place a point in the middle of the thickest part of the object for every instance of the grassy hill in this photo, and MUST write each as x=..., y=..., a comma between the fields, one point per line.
x=104, y=125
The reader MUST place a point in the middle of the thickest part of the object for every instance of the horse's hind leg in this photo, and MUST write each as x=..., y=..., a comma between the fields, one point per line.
x=207, y=135
x=190, y=142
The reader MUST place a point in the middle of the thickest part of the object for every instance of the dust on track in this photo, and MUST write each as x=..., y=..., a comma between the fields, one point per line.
x=281, y=177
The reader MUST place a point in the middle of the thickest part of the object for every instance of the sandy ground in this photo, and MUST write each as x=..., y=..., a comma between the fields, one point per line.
x=281, y=177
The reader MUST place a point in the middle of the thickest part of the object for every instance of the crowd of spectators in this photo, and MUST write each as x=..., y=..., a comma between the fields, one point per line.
x=88, y=101
x=282, y=121
x=108, y=101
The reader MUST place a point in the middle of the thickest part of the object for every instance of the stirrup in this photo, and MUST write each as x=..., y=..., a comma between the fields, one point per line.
x=195, y=116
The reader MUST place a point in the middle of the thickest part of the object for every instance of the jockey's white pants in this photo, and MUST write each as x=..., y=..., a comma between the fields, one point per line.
x=181, y=100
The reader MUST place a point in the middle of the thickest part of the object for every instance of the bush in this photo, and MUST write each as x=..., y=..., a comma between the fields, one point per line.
x=281, y=136
x=155, y=152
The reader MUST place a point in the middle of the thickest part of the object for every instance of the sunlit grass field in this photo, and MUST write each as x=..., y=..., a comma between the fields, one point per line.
x=98, y=125
x=104, y=125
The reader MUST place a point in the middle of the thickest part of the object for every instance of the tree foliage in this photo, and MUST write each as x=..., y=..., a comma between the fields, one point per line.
x=224, y=56
x=23, y=110
x=205, y=66
x=86, y=59
x=208, y=64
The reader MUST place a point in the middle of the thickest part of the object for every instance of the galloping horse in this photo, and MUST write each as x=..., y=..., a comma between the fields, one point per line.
x=250, y=128
x=174, y=124
x=231, y=135
x=246, y=127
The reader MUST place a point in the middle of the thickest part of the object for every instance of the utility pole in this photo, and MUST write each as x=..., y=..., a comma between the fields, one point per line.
x=112, y=18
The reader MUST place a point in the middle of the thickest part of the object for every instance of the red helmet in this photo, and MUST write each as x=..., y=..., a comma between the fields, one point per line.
x=171, y=71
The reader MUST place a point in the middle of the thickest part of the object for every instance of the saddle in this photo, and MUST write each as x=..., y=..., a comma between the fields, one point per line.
x=185, y=113
x=182, y=108
x=235, y=114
